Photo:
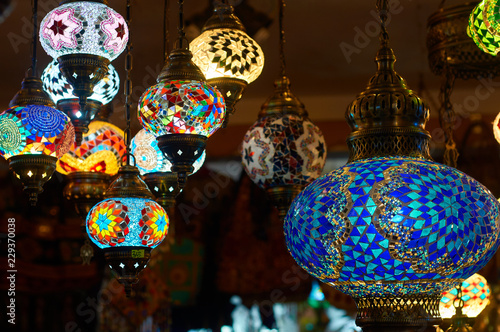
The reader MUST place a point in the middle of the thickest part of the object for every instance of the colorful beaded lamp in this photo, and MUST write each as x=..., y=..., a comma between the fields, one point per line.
x=484, y=26
x=475, y=295
x=33, y=136
x=84, y=36
x=182, y=110
x=61, y=92
x=91, y=165
x=283, y=151
x=156, y=169
x=227, y=56
x=392, y=228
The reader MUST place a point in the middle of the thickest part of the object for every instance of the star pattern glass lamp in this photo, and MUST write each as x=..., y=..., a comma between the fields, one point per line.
x=90, y=165
x=392, y=228
x=228, y=57
x=182, y=110
x=61, y=92
x=283, y=151
x=156, y=169
x=84, y=36
x=475, y=296
x=484, y=26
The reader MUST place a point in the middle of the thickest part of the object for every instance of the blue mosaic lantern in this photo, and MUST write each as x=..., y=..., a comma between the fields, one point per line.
x=392, y=228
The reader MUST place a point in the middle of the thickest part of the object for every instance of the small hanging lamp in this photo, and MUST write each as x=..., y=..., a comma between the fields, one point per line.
x=182, y=110
x=227, y=56
x=128, y=224
x=283, y=151
x=156, y=169
x=475, y=298
x=392, y=228
x=84, y=36
x=484, y=26
x=61, y=92
x=33, y=134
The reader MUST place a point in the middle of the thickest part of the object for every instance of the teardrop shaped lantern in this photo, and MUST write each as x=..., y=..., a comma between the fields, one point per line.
x=227, y=56
x=484, y=26
x=84, y=36
x=392, y=228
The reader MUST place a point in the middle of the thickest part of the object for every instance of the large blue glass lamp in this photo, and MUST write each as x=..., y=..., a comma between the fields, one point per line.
x=392, y=228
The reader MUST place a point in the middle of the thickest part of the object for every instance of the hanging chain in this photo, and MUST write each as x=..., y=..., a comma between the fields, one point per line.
x=128, y=83
x=180, y=29
x=166, y=35
x=282, y=36
x=35, y=39
x=447, y=118
x=383, y=9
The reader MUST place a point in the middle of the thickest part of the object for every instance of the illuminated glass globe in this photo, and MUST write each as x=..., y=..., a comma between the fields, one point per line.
x=228, y=52
x=181, y=107
x=32, y=139
x=484, y=26
x=150, y=159
x=475, y=294
x=101, y=151
x=58, y=87
x=227, y=56
x=126, y=222
x=283, y=150
x=392, y=227
x=496, y=128
x=84, y=27
x=35, y=130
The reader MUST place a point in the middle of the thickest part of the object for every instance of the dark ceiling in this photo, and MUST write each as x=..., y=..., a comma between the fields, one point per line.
x=330, y=47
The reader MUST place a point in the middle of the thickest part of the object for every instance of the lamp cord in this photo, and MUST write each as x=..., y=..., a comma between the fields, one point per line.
x=166, y=35
x=383, y=9
x=282, y=36
x=182, y=34
x=35, y=33
x=128, y=83
x=447, y=118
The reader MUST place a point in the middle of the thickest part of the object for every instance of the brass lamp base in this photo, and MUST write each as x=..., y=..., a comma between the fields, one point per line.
x=86, y=189
x=397, y=314
x=232, y=90
x=282, y=197
x=127, y=263
x=182, y=150
x=83, y=72
x=164, y=186
x=80, y=118
x=33, y=171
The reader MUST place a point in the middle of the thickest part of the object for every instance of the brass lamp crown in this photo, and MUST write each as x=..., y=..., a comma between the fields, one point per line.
x=282, y=101
x=387, y=118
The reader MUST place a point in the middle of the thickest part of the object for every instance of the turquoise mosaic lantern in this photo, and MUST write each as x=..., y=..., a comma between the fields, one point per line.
x=392, y=228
